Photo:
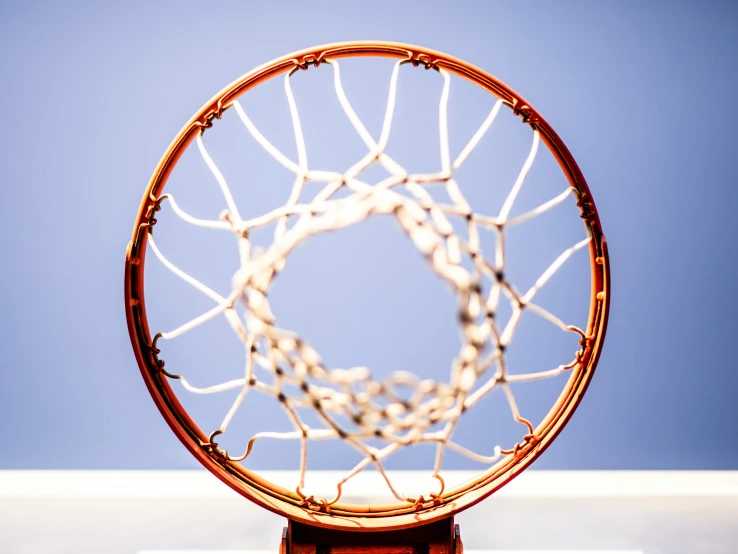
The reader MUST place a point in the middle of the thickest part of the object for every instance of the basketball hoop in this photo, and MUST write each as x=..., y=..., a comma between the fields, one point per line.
x=353, y=394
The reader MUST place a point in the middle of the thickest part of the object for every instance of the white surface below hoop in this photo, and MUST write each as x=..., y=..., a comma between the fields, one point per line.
x=540, y=512
x=367, y=486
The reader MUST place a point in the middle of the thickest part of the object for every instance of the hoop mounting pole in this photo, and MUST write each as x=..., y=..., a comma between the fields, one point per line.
x=439, y=537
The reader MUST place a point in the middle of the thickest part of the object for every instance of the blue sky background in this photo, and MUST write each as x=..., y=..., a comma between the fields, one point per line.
x=642, y=94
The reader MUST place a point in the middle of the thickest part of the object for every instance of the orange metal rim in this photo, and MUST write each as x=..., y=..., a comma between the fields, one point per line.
x=346, y=516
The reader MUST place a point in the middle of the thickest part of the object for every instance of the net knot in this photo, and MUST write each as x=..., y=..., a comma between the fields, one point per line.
x=521, y=449
x=209, y=118
x=219, y=455
x=154, y=207
x=424, y=60
x=423, y=503
x=315, y=504
x=586, y=207
x=308, y=60
x=155, y=351
x=158, y=362
x=524, y=111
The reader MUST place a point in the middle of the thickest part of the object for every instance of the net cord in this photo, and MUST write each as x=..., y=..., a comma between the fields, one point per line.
x=352, y=393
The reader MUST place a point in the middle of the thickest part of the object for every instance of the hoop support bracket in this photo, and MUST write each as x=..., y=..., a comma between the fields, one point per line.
x=439, y=537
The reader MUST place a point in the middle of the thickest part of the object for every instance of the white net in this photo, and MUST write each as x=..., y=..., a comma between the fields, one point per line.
x=352, y=405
